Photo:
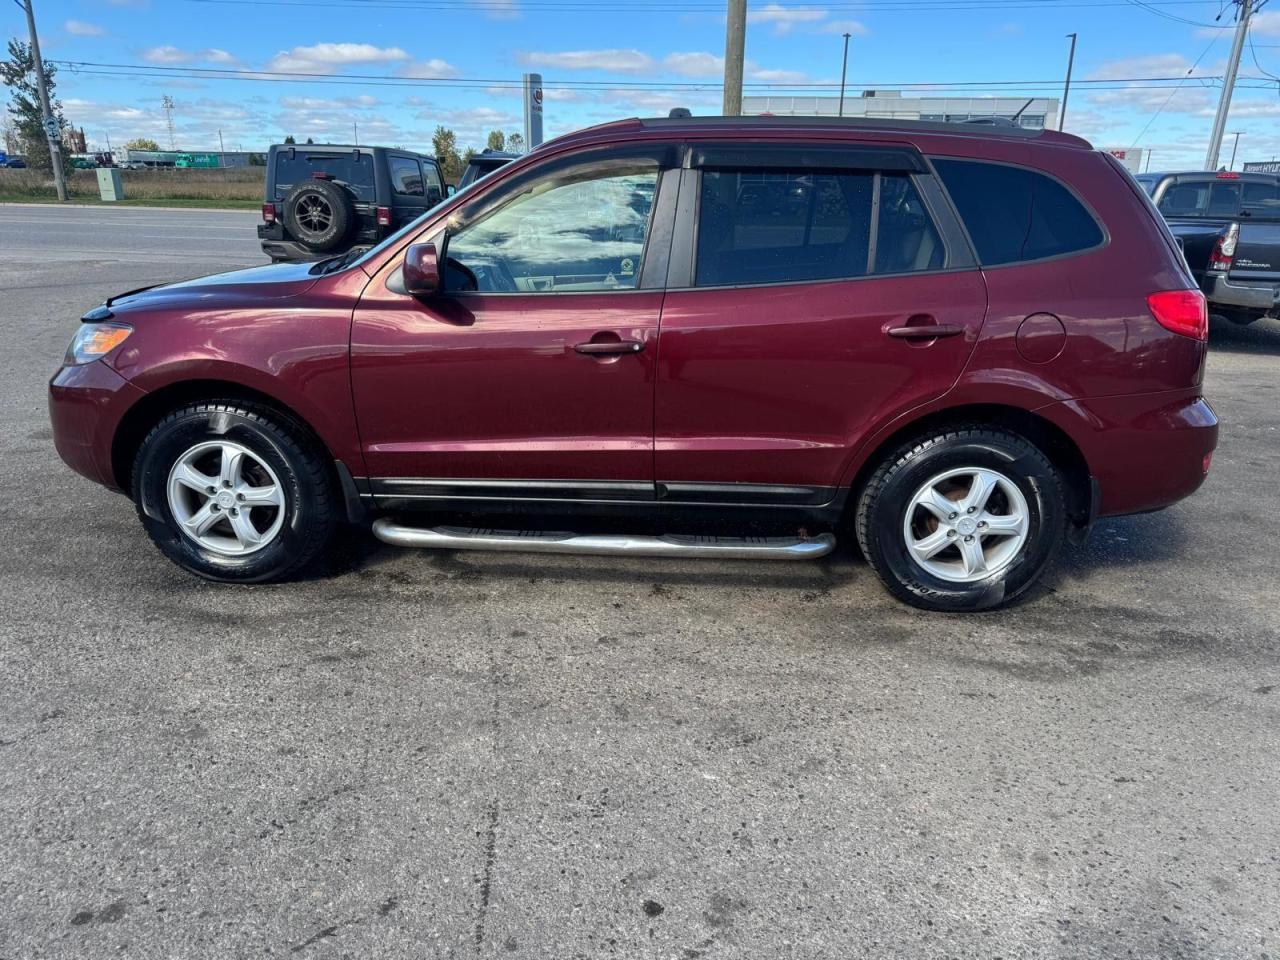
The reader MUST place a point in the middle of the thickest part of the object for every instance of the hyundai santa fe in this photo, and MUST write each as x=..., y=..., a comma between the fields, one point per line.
x=961, y=344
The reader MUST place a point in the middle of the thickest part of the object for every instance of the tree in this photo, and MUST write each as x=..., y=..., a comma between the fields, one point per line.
x=445, y=144
x=497, y=140
x=142, y=143
x=289, y=139
x=19, y=74
x=309, y=140
x=515, y=142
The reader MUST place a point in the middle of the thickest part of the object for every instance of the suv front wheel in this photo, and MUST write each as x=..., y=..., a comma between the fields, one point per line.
x=965, y=519
x=234, y=492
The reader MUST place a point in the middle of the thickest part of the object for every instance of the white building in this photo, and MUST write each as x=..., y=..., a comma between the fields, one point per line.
x=1035, y=113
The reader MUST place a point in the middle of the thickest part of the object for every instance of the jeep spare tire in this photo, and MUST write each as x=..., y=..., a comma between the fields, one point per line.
x=319, y=214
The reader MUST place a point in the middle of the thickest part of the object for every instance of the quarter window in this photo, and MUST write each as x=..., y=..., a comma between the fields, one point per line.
x=781, y=226
x=1014, y=214
x=431, y=179
x=582, y=231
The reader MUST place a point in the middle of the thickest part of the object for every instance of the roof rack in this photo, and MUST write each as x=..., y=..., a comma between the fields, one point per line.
x=869, y=123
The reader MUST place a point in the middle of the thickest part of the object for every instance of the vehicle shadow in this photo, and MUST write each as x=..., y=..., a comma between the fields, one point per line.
x=1129, y=541
x=1259, y=337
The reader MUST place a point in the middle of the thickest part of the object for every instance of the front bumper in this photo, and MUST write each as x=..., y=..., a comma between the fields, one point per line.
x=1263, y=296
x=86, y=404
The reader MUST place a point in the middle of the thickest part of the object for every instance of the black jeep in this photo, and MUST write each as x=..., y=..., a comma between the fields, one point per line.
x=324, y=199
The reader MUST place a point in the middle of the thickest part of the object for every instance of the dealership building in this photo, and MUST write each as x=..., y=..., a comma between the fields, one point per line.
x=1033, y=113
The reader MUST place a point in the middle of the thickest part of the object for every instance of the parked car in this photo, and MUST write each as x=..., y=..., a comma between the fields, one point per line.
x=484, y=163
x=1229, y=227
x=963, y=343
x=323, y=199
x=15, y=163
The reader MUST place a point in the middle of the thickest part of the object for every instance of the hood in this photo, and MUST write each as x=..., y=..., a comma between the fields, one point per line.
x=272, y=280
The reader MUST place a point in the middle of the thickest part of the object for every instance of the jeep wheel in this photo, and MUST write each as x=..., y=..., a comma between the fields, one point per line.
x=319, y=214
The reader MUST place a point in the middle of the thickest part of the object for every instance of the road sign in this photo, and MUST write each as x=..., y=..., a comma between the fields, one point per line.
x=52, y=129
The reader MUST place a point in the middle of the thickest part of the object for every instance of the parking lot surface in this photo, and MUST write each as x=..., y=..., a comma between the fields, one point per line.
x=486, y=755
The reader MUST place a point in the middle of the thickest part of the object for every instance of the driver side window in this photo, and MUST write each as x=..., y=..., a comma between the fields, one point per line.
x=584, y=230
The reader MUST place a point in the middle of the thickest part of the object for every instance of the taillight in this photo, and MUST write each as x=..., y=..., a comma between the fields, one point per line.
x=1185, y=312
x=1225, y=248
x=384, y=216
x=268, y=213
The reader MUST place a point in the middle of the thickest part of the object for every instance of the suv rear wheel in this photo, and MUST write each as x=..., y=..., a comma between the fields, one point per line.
x=319, y=214
x=965, y=519
x=234, y=492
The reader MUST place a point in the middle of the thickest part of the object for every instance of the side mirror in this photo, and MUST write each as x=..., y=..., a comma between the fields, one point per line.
x=421, y=270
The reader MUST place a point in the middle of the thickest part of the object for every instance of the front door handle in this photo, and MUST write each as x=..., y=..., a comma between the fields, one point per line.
x=598, y=348
x=926, y=331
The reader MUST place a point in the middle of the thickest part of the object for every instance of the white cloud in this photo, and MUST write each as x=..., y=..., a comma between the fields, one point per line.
x=79, y=28
x=1266, y=24
x=695, y=64
x=331, y=57
x=614, y=61
x=429, y=69
x=785, y=18
x=499, y=9
x=761, y=75
x=169, y=54
x=853, y=27
x=363, y=102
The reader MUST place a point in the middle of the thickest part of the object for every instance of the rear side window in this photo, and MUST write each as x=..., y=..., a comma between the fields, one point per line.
x=778, y=226
x=349, y=168
x=1014, y=214
x=406, y=177
x=434, y=184
x=1261, y=200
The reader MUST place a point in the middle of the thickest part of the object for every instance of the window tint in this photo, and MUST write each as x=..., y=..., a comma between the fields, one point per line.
x=583, y=231
x=791, y=226
x=1261, y=200
x=352, y=170
x=1014, y=214
x=906, y=240
x=1224, y=199
x=406, y=177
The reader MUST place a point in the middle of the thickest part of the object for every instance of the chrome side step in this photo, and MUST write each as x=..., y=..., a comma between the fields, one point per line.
x=600, y=545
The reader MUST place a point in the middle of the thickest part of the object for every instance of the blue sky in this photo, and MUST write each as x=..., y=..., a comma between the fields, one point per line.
x=604, y=59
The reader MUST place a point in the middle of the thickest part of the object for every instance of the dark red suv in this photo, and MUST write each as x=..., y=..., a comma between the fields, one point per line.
x=963, y=343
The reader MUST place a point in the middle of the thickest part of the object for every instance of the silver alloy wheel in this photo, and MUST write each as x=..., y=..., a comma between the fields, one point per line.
x=965, y=525
x=225, y=498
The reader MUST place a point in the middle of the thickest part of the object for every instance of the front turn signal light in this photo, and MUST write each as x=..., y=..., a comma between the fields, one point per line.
x=94, y=341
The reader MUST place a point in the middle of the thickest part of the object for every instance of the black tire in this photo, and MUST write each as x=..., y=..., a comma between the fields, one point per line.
x=882, y=505
x=319, y=214
x=310, y=511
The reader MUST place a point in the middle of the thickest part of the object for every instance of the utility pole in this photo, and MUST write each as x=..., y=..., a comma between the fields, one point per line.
x=355, y=133
x=222, y=151
x=735, y=48
x=1228, y=84
x=1066, y=90
x=167, y=103
x=844, y=69
x=52, y=131
x=1234, y=147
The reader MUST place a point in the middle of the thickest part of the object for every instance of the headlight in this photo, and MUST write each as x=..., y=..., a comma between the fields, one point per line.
x=95, y=340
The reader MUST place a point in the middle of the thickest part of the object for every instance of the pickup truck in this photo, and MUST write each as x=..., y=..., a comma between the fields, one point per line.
x=1228, y=225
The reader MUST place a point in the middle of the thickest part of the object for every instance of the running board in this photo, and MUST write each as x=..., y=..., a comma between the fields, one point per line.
x=521, y=541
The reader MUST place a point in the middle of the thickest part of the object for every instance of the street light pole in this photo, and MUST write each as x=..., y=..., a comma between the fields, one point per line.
x=51, y=130
x=735, y=45
x=1228, y=85
x=1066, y=90
x=844, y=69
x=1234, y=147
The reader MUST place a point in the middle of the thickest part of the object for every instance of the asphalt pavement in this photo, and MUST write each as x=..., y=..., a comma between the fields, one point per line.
x=483, y=755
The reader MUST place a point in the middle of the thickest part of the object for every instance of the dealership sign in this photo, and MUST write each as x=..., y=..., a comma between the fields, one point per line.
x=1131, y=157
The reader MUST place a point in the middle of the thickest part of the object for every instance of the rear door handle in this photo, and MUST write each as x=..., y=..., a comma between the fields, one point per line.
x=606, y=347
x=926, y=331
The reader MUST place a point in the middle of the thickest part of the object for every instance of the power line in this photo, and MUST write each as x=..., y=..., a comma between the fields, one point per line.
x=99, y=68
x=1177, y=87
x=695, y=6
x=1150, y=8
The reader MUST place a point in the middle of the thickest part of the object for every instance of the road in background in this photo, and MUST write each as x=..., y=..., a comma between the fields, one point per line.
x=486, y=755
